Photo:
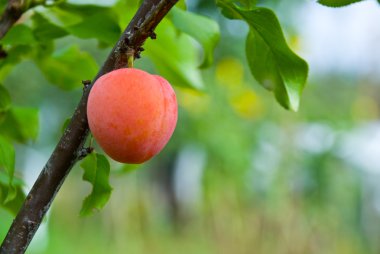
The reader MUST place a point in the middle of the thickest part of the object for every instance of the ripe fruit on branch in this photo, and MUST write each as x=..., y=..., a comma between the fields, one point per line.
x=132, y=114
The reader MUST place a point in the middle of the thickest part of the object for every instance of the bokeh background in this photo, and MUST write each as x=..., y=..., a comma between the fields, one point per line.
x=240, y=174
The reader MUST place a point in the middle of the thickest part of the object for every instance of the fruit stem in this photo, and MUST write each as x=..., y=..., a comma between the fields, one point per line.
x=130, y=57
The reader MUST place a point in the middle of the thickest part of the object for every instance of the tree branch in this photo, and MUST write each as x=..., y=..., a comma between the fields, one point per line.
x=12, y=12
x=65, y=155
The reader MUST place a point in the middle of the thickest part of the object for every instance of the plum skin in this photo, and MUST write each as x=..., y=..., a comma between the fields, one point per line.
x=132, y=114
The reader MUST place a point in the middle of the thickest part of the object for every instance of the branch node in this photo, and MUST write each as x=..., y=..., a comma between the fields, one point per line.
x=86, y=82
x=137, y=55
x=153, y=35
x=82, y=153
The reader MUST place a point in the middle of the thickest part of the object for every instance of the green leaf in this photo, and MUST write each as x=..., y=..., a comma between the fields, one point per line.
x=337, y=3
x=274, y=65
x=248, y=3
x=61, y=17
x=67, y=67
x=7, y=157
x=19, y=35
x=125, y=11
x=7, y=164
x=182, y=4
x=11, y=198
x=87, y=21
x=96, y=171
x=174, y=56
x=14, y=55
x=264, y=68
x=20, y=124
x=45, y=30
x=5, y=102
x=104, y=28
x=84, y=10
x=228, y=9
x=204, y=30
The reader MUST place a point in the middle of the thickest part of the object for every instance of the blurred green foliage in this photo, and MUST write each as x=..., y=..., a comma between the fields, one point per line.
x=240, y=174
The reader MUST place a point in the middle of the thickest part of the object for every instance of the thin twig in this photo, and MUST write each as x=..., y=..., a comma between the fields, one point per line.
x=65, y=155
